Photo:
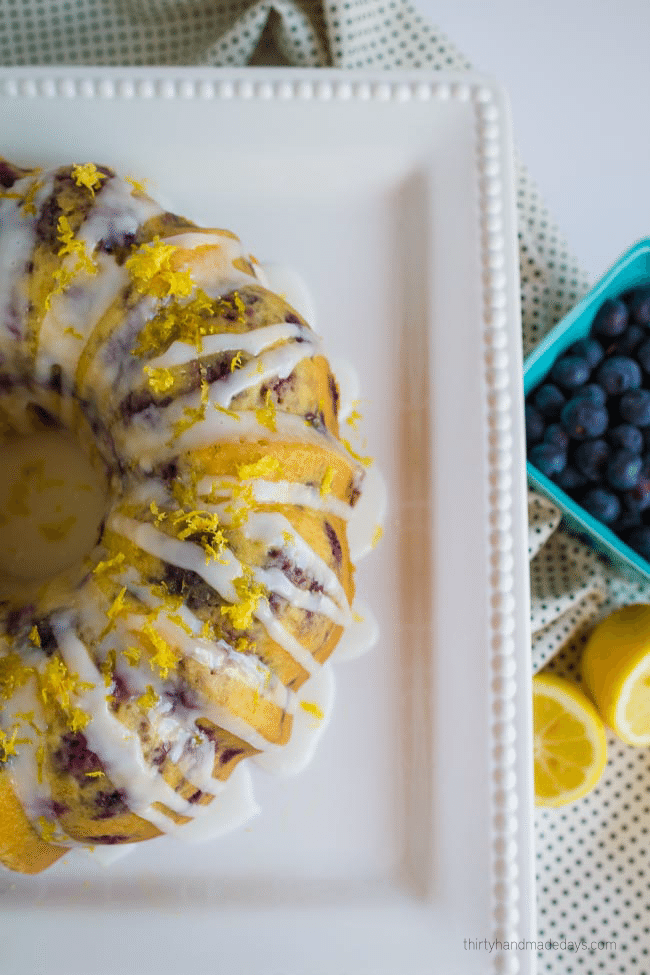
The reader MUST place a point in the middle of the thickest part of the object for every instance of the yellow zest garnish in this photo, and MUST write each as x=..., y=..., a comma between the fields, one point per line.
x=160, y=380
x=249, y=592
x=97, y=774
x=40, y=761
x=35, y=636
x=7, y=195
x=133, y=655
x=179, y=621
x=239, y=304
x=222, y=409
x=186, y=323
x=28, y=203
x=69, y=245
x=260, y=468
x=205, y=390
x=139, y=186
x=108, y=667
x=288, y=538
x=326, y=483
x=157, y=513
x=242, y=644
x=377, y=536
x=149, y=699
x=241, y=505
x=7, y=744
x=357, y=618
x=13, y=674
x=88, y=175
x=207, y=630
x=235, y=362
x=118, y=605
x=164, y=656
x=73, y=332
x=266, y=415
x=78, y=719
x=151, y=271
x=58, y=685
x=28, y=716
x=109, y=564
x=191, y=415
x=312, y=708
x=366, y=461
x=354, y=419
x=46, y=829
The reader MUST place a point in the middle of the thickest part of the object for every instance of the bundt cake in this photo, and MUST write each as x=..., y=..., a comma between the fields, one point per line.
x=136, y=679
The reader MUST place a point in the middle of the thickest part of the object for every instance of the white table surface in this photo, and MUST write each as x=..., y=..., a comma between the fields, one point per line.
x=578, y=76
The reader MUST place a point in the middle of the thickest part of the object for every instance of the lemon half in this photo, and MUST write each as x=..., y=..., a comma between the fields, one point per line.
x=616, y=672
x=570, y=746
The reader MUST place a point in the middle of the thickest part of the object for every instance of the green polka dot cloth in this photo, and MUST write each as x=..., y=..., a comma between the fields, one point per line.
x=592, y=882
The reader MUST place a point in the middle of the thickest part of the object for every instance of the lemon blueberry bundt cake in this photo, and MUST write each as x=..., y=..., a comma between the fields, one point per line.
x=217, y=581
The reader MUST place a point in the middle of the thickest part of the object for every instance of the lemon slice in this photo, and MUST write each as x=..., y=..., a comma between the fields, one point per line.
x=569, y=741
x=616, y=672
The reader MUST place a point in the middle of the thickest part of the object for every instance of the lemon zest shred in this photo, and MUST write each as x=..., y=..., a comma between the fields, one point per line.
x=97, y=774
x=222, y=409
x=87, y=174
x=139, y=186
x=266, y=415
x=73, y=332
x=354, y=419
x=366, y=461
x=236, y=362
x=312, y=708
x=249, y=594
x=160, y=380
x=7, y=744
x=260, y=468
x=132, y=655
x=35, y=636
x=47, y=830
x=149, y=699
x=326, y=483
x=40, y=761
x=357, y=617
x=377, y=536
x=151, y=270
x=29, y=206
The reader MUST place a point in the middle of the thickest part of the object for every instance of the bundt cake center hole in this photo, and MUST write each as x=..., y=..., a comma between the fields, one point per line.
x=52, y=502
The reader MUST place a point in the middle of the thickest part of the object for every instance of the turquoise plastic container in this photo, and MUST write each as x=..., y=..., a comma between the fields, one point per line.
x=630, y=271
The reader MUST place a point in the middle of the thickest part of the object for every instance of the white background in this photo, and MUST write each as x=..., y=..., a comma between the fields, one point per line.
x=578, y=76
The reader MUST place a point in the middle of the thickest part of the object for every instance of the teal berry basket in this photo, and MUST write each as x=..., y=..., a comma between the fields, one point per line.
x=630, y=271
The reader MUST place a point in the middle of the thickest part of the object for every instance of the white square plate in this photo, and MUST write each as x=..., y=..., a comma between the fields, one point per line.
x=408, y=839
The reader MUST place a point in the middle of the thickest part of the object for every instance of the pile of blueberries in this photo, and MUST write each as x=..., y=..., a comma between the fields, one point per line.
x=588, y=422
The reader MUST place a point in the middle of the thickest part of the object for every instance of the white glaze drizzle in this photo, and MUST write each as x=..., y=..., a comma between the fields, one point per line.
x=253, y=342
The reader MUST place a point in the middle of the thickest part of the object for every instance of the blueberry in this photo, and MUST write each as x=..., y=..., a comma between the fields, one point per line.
x=639, y=540
x=623, y=470
x=549, y=400
x=534, y=424
x=602, y=504
x=634, y=407
x=557, y=435
x=592, y=393
x=570, y=479
x=626, y=436
x=570, y=371
x=637, y=499
x=582, y=420
x=589, y=349
x=611, y=318
x=618, y=374
x=547, y=458
x=590, y=458
x=638, y=301
x=627, y=341
x=643, y=355
x=626, y=521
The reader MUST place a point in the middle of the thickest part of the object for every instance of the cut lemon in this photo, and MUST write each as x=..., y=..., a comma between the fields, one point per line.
x=616, y=672
x=569, y=741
